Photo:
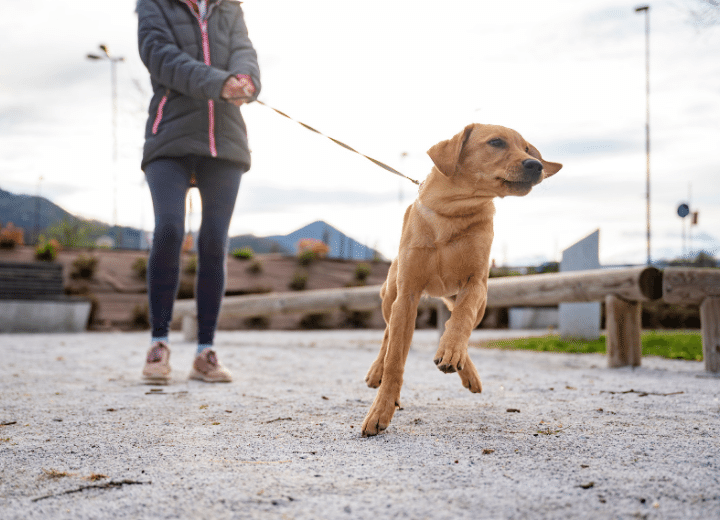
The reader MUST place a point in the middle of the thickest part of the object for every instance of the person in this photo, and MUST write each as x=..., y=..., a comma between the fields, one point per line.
x=202, y=67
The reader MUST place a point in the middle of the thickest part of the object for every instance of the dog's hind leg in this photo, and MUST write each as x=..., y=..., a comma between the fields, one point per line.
x=400, y=332
x=469, y=376
x=388, y=293
x=374, y=375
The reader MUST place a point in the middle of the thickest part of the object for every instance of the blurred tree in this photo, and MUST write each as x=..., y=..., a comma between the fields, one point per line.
x=73, y=233
x=702, y=259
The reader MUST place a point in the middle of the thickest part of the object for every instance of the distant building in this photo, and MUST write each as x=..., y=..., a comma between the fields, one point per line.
x=105, y=241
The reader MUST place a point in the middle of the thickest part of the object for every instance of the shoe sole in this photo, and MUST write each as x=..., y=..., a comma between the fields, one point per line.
x=156, y=380
x=197, y=376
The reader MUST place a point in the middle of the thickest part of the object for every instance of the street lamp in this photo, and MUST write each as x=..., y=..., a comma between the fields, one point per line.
x=646, y=9
x=36, y=231
x=114, y=60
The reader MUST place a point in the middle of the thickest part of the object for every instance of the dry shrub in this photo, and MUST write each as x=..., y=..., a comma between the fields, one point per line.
x=191, y=265
x=84, y=267
x=140, y=316
x=257, y=322
x=47, y=251
x=139, y=267
x=315, y=321
x=11, y=236
x=255, y=268
x=299, y=281
x=310, y=249
x=186, y=290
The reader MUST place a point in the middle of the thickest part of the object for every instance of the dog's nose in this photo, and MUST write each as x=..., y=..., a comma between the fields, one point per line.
x=533, y=169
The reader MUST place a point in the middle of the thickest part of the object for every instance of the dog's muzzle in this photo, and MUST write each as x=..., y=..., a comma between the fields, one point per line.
x=532, y=171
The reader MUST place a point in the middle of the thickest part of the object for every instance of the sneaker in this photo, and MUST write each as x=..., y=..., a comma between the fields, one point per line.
x=207, y=368
x=157, y=364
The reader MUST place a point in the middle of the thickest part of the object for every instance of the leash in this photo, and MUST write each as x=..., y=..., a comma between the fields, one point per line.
x=340, y=143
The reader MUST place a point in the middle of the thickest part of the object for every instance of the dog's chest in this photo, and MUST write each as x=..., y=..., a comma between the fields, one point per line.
x=454, y=265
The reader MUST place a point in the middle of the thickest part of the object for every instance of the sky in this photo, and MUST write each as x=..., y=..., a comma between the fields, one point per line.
x=391, y=79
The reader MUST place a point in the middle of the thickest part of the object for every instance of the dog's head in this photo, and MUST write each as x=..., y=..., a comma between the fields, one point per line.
x=492, y=160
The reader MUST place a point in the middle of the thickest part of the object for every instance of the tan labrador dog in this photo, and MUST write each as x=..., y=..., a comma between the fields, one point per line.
x=445, y=250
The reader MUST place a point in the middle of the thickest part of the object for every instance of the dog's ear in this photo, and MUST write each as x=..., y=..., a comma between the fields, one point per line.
x=446, y=154
x=550, y=168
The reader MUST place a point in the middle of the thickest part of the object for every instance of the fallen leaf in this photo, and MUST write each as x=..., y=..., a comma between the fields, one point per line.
x=53, y=473
x=95, y=476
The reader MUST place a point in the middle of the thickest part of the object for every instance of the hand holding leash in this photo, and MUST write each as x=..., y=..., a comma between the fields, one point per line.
x=238, y=90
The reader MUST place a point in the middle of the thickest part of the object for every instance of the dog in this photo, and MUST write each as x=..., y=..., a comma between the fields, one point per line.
x=445, y=251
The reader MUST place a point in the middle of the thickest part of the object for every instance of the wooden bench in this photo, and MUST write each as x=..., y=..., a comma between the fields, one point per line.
x=33, y=299
x=31, y=281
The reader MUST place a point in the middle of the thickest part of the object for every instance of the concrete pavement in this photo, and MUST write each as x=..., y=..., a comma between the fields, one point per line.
x=551, y=436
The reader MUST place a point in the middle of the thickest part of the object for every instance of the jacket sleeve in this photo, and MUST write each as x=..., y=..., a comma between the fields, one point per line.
x=167, y=63
x=243, y=58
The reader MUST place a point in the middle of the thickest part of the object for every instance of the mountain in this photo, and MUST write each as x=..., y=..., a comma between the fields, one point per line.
x=341, y=245
x=36, y=214
x=22, y=210
x=259, y=245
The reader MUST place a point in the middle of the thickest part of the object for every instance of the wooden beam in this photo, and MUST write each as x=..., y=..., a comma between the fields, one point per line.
x=624, y=329
x=325, y=300
x=631, y=284
x=690, y=286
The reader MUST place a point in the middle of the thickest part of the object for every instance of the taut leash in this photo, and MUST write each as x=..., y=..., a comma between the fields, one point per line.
x=340, y=143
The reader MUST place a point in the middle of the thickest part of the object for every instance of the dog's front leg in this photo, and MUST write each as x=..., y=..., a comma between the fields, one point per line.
x=452, y=355
x=400, y=330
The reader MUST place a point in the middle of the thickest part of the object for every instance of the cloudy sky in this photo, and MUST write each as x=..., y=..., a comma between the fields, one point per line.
x=392, y=78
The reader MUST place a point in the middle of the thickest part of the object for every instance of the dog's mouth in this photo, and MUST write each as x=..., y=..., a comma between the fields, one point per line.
x=517, y=185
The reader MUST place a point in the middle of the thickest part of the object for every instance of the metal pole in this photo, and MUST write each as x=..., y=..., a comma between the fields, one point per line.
x=37, y=213
x=646, y=10
x=113, y=84
x=113, y=79
x=647, y=126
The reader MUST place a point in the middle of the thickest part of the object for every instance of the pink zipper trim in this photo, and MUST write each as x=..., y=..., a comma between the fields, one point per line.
x=211, y=103
x=206, y=57
x=159, y=115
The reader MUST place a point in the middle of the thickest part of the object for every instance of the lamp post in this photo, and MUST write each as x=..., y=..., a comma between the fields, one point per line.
x=114, y=60
x=36, y=230
x=646, y=9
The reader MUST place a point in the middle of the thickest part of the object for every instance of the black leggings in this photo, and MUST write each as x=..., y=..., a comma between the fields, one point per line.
x=169, y=180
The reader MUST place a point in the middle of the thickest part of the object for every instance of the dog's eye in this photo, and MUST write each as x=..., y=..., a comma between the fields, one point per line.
x=497, y=143
x=527, y=150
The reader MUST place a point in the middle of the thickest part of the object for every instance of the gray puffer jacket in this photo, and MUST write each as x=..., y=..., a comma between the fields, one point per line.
x=189, y=59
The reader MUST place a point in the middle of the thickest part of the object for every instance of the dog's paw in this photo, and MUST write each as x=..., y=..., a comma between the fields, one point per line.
x=470, y=377
x=450, y=360
x=374, y=375
x=380, y=414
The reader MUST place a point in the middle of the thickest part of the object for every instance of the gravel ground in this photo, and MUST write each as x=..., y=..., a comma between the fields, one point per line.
x=551, y=436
